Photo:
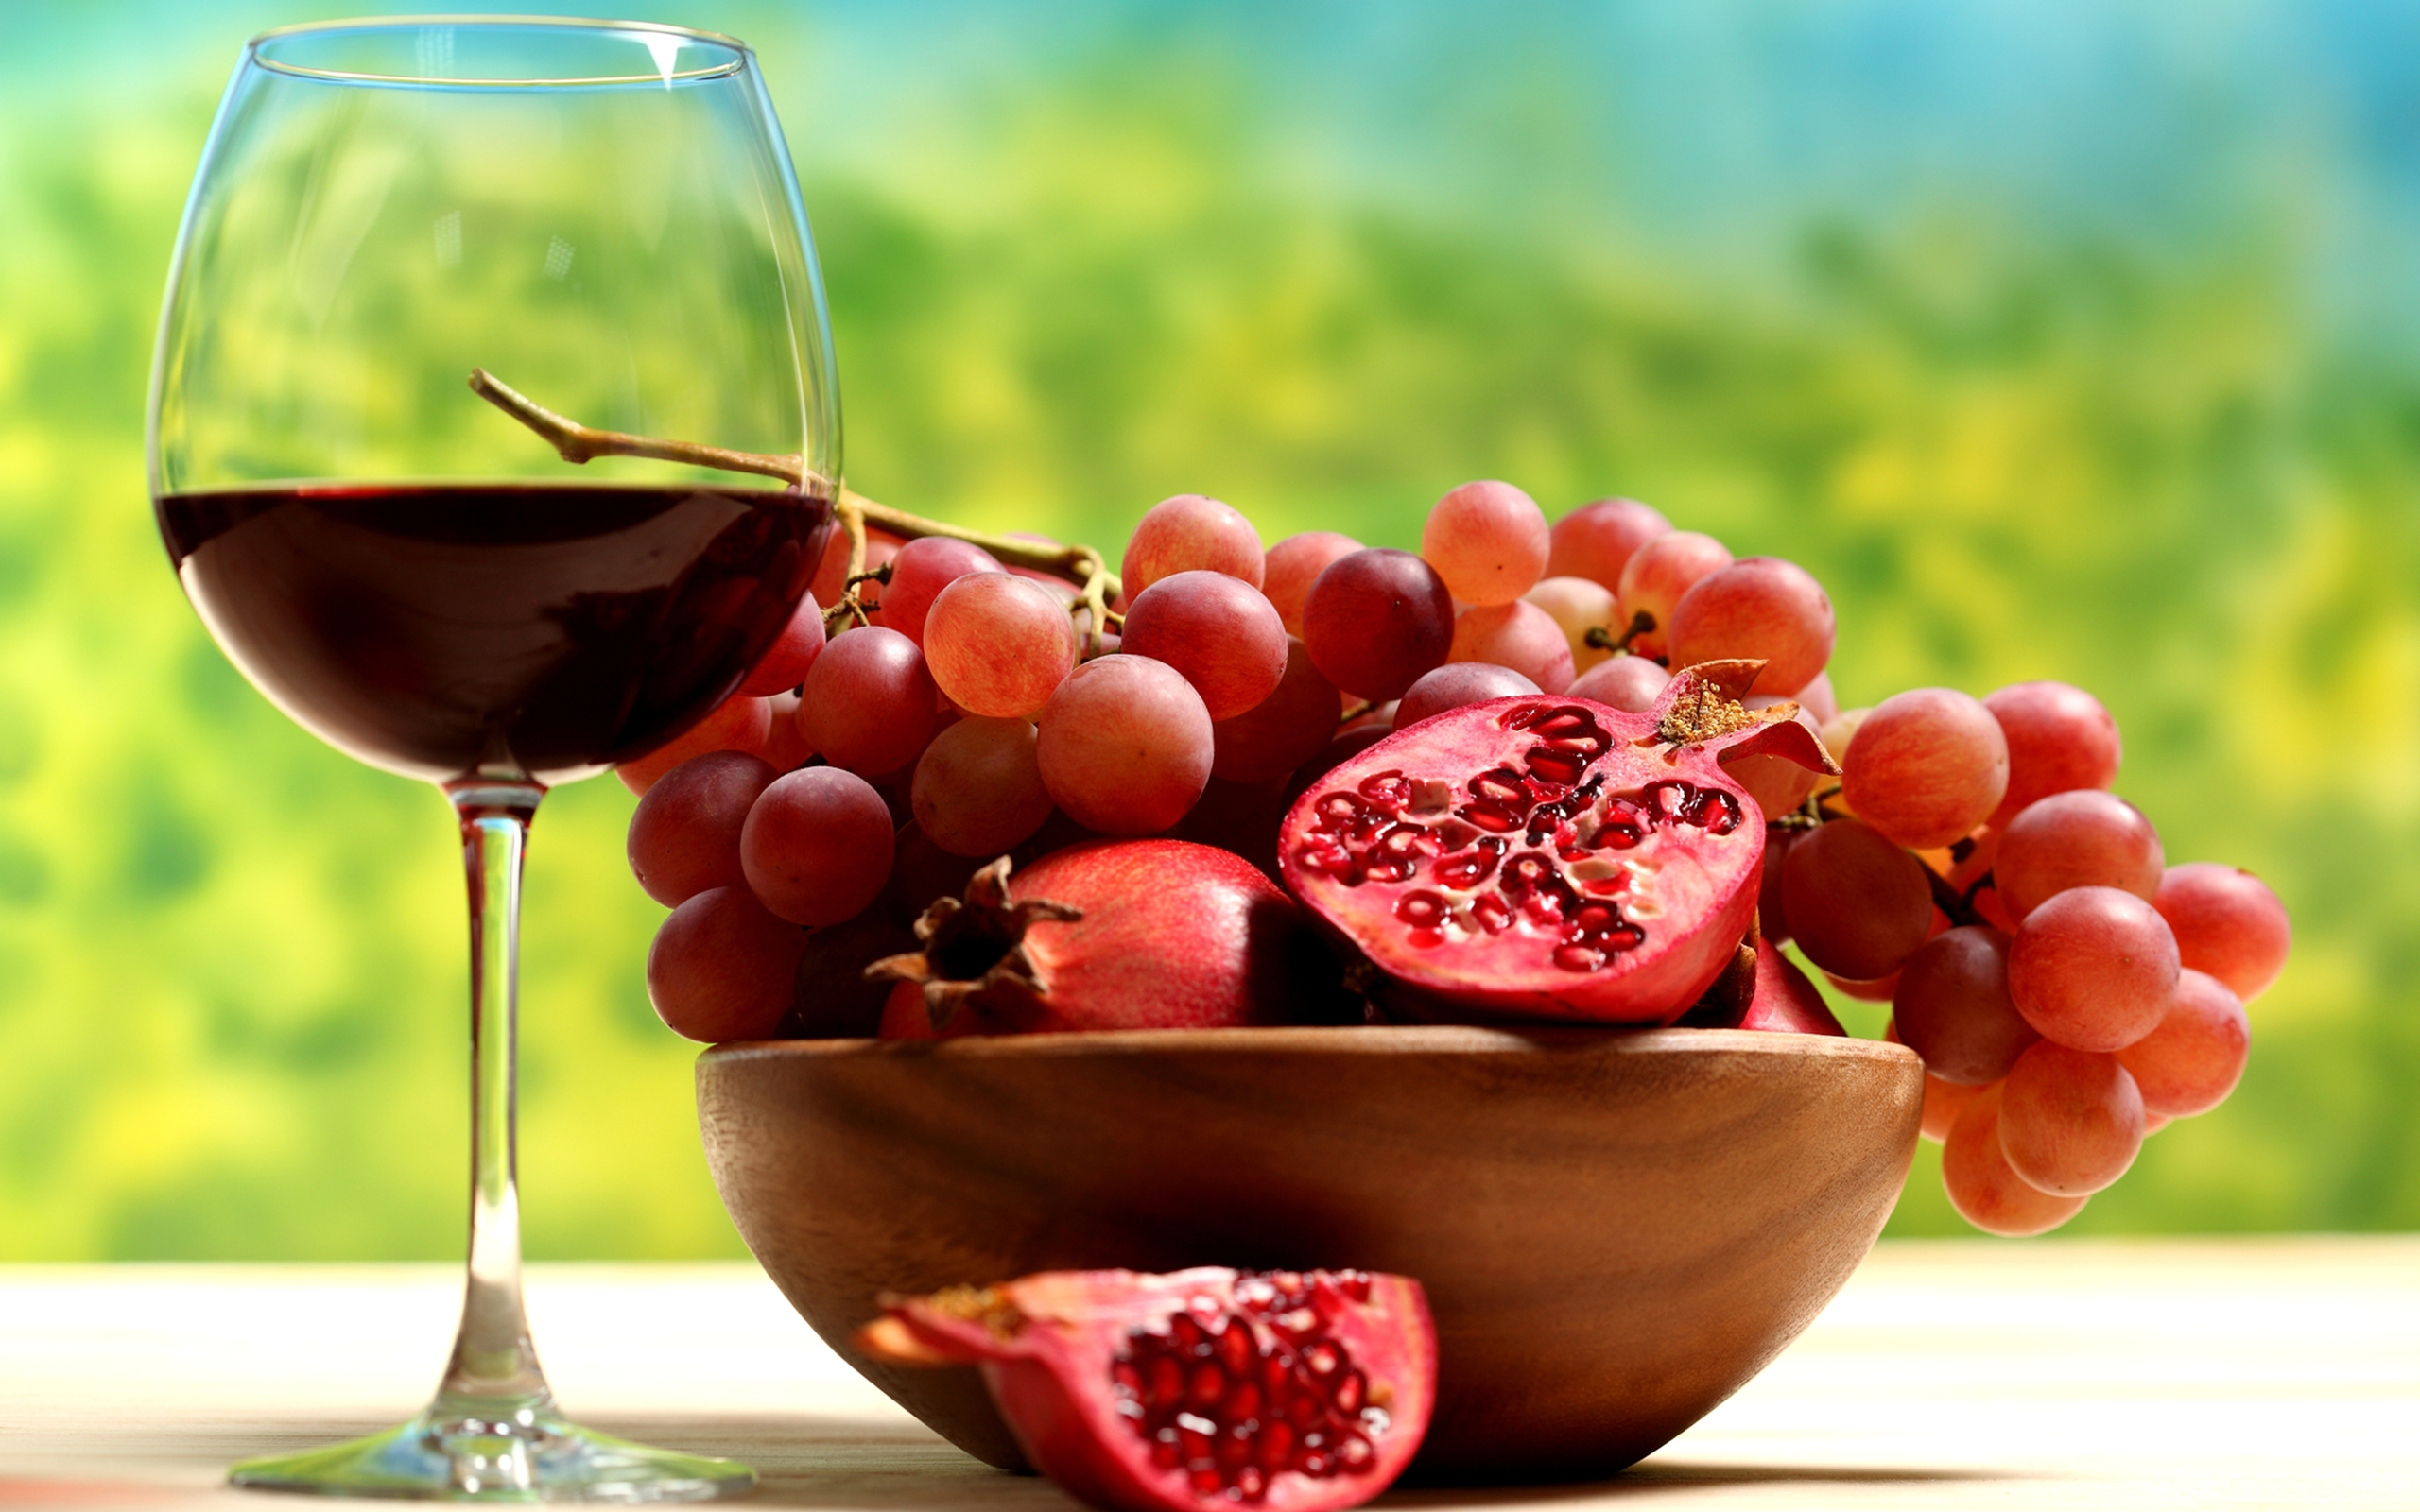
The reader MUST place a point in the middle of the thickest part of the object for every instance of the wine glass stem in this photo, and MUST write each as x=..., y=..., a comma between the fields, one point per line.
x=494, y=1368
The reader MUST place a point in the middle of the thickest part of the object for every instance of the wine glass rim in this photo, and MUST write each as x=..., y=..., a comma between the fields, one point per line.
x=256, y=49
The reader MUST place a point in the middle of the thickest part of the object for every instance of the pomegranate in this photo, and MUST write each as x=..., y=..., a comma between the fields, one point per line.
x=1202, y=1388
x=1115, y=934
x=1547, y=858
x=1762, y=988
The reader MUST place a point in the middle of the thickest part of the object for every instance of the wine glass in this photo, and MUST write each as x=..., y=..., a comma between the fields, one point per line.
x=603, y=215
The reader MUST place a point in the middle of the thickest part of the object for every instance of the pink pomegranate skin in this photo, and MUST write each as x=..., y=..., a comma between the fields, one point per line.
x=1787, y=999
x=1546, y=859
x=1069, y=1357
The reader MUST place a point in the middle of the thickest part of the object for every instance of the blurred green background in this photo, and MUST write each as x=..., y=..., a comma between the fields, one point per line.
x=2058, y=340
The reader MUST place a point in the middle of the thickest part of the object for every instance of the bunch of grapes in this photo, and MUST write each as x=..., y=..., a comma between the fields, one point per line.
x=2069, y=992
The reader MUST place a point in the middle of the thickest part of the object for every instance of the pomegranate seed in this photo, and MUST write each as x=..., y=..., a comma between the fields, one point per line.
x=1492, y=914
x=1579, y=957
x=1249, y=1484
x=1322, y=1358
x=1554, y=767
x=1207, y=1386
x=1422, y=910
x=1389, y=790
x=1352, y=1451
x=1168, y=1382
x=1667, y=802
x=1243, y=1403
x=1276, y=1443
x=1349, y=1388
x=1465, y=870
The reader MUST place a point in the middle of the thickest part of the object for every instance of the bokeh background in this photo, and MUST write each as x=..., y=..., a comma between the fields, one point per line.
x=2059, y=340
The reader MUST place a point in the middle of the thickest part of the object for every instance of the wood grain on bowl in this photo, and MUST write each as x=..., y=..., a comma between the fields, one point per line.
x=1617, y=1229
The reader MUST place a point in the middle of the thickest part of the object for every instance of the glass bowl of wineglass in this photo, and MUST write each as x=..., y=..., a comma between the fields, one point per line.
x=605, y=214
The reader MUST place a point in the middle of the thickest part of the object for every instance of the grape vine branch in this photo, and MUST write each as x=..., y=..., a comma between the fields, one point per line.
x=575, y=443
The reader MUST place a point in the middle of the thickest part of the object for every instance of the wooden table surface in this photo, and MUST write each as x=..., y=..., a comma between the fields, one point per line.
x=2141, y=1375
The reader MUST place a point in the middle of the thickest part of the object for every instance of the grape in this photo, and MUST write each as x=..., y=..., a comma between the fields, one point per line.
x=1455, y=684
x=2227, y=923
x=785, y=750
x=684, y=834
x=1772, y=919
x=978, y=788
x=2194, y=1058
x=1518, y=635
x=2093, y=968
x=923, y=568
x=1217, y=630
x=1186, y=532
x=832, y=572
x=1125, y=745
x=1857, y=904
x=783, y=664
x=1952, y=1006
x=737, y=723
x=1632, y=683
x=1865, y=990
x=2059, y=739
x=1778, y=784
x=722, y=967
x=1488, y=541
x=1943, y=1102
x=1925, y=766
x=1597, y=540
x=2076, y=839
x=1984, y=1188
x=1375, y=620
x=1841, y=730
x=1578, y=604
x=1758, y=607
x=1817, y=699
x=1283, y=731
x=869, y=704
x=817, y=846
x=2071, y=1120
x=832, y=999
x=1656, y=577
x=1293, y=563
x=997, y=643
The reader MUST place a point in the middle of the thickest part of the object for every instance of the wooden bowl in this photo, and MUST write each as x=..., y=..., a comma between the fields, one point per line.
x=1617, y=1229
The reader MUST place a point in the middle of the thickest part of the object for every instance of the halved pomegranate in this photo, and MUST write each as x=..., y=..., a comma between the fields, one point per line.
x=1202, y=1388
x=1547, y=858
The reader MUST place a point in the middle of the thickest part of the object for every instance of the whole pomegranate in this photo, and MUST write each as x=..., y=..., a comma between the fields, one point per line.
x=1547, y=858
x=1204, y=1388
x=1114, y=935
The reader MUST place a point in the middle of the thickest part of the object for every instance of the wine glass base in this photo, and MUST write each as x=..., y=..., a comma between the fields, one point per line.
x=530, y=1456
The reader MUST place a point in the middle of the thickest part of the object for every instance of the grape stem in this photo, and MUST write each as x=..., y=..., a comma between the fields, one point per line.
x=1603, y=638
x=577, y=443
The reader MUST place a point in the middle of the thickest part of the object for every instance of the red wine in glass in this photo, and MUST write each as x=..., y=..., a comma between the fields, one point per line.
x=604, y=215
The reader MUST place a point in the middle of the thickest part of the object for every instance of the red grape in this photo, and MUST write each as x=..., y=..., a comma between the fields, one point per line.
x=869, y=704
x=2093, y=968
x=1518, y=635
x=1219, y=631
x=1778, y=784
x=1455, y=684
x=1857, y=904
x=786, y=749
x=1985, y=1189
x=784, y=665
x=1817, y=699
x=737, y=723
x=978, y=788
x=1943, y=1102
x=1488, y=541
x=1758, y=607
x=2071, y=1120
x=1283, y=731
x=722, y=967
x=1125, y=745
x=2227, y=923
x=1293, y=564
x=2076, y=839
x=998, y=643
x=1189, y=531
x=1952, y=1006
x=1578, y=604
x=816, y=847
x=1772, y=919
x=1597, y=540
x=2059, y=739
x=1656, y=577
x=684, y=834
x=2194, y=1058
x=1627, y=682
x=1375, y=620
x=923, y=568
x=832, y=572
x=1925, y=766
